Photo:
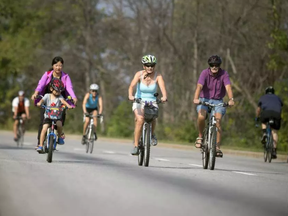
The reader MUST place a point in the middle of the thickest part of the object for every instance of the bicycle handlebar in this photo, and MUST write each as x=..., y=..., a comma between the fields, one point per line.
x=93, y=116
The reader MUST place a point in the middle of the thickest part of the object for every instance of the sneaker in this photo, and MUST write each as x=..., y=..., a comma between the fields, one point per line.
x=154, y=141
x=84, y=140
x=61, y=141
x=135, y=150
x=264, y=138
x=274, y=154
x=39, y=149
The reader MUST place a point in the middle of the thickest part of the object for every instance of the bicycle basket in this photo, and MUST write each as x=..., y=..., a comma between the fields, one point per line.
x=54, y=112
x=150, y=113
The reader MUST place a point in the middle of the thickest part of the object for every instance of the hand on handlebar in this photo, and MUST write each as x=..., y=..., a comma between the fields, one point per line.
x=131, y=98
x=196, y=101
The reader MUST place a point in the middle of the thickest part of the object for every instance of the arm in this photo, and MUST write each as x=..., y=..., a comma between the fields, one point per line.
x=65, y=103
x=40, y=86
x=162, y=88
x=100, y=105
x=84, y=103
x=27, y=104
x=15, y=111
x=230, y=94
x=40, y=102
x=69, y=88
x=132, y=85
x=197, y=93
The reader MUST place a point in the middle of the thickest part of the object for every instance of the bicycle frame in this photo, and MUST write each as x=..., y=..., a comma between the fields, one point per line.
x=20, y=134
x=90, y=130
x=269, y=145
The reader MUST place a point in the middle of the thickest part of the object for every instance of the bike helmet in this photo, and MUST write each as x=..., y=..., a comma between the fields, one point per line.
x=269, y=90
x=215, y=59
x=21, y=93
x=57, y=84
x=94, y=87
x=149, y=59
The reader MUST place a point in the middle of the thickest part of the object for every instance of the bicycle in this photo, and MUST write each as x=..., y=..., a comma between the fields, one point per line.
x=50, y=142
x=208, y=148
x=90, y=131
x=150, y=113
x=268, y=145
x=20, y=131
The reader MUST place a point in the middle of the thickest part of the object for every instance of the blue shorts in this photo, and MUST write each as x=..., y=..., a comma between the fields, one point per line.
x=221, y=110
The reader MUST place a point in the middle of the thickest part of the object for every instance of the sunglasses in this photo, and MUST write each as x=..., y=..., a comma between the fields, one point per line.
x=94, y=90
x=149, y=65
x=214, y=65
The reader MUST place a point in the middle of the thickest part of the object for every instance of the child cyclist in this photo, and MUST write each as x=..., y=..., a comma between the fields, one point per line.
x=92, y=104
x=55, y=99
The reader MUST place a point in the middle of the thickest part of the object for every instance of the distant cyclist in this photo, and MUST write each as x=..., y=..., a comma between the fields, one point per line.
x=270, y=106
x=146, y=82
x=212, y=86
x=20, y=108
x=92, y=104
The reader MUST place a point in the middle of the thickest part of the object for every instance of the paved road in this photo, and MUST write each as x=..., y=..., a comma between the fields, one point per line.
x=109, y=182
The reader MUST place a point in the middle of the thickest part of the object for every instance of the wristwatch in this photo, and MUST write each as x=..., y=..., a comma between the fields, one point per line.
x=231, y=99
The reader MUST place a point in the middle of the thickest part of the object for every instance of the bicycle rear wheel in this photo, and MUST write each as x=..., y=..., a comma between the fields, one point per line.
x=204, y=150
x=141, y=152
x=50, y=148
x=212, y=149
x=270, y=148
x=265, y=153
x=147, y=145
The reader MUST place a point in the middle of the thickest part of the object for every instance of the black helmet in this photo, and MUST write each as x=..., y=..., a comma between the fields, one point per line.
x=57, y=84
x=215, y=59
x=269, y=90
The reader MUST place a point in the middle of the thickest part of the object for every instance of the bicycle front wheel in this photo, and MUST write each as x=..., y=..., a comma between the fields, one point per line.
x=88, y=136
x=21, y=136
x=92, y=139
x=147, y=146
x=212, y=149
x=205, y=151
x=50, y=148
x=141, y=152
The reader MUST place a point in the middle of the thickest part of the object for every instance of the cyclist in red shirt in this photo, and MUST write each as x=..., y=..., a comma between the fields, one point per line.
x=20, y=108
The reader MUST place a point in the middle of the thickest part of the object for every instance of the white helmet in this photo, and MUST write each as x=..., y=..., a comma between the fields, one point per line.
x=94, y=87
x=21, y=93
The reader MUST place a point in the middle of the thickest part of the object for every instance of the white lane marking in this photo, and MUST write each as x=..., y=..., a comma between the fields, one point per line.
x=161, y=159
x=108, y=152
x=244, y=173
x=79, y=149
x=197, y=165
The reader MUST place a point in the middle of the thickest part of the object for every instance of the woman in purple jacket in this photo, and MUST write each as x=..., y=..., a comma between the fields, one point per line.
x=44, y=83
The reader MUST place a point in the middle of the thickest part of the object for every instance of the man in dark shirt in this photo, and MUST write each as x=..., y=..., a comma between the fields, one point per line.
x=270, y=107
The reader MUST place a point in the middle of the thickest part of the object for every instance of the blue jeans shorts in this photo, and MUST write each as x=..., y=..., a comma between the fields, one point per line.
x=221, y=110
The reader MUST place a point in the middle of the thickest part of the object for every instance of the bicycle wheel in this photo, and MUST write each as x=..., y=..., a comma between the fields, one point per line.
x=92, y=139
x=212, y=149
x=265, y=153
x=18, y=135
x=269, y=147
x=88, y=135
x=147, y=145
x=50, y=148
x=21, y=136
x=141, y=152
x=204, y=150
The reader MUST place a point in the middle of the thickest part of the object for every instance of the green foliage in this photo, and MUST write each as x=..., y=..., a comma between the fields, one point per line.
x=121, y=123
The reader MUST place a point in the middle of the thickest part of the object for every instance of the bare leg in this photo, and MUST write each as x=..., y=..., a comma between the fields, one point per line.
x=139, y=120
x=59, y=128
x=201, y=122
x=43, y=132
x=275, y=137
x=85, y=125
x=218, y=125
x=15, y=128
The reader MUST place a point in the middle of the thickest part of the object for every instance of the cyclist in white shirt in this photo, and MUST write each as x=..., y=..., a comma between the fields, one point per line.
x=20, y=108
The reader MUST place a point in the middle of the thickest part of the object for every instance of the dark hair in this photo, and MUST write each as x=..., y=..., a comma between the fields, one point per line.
x=55, y=61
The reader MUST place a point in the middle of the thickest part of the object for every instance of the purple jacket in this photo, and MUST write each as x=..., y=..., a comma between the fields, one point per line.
x=45, y=80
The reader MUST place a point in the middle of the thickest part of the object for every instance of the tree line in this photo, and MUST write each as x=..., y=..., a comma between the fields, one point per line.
x=103, y=41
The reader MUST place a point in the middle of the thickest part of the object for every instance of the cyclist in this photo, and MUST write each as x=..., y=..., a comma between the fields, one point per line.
x=43, y=87
x=270, y=106
x=53, y=99
x=212, y=86
x=92, y=103
x=20, y=107
x=147, y=81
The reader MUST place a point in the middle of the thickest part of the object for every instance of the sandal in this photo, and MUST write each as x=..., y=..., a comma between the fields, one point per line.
x=198, y=143
x=62, y=135
x=219, y=153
